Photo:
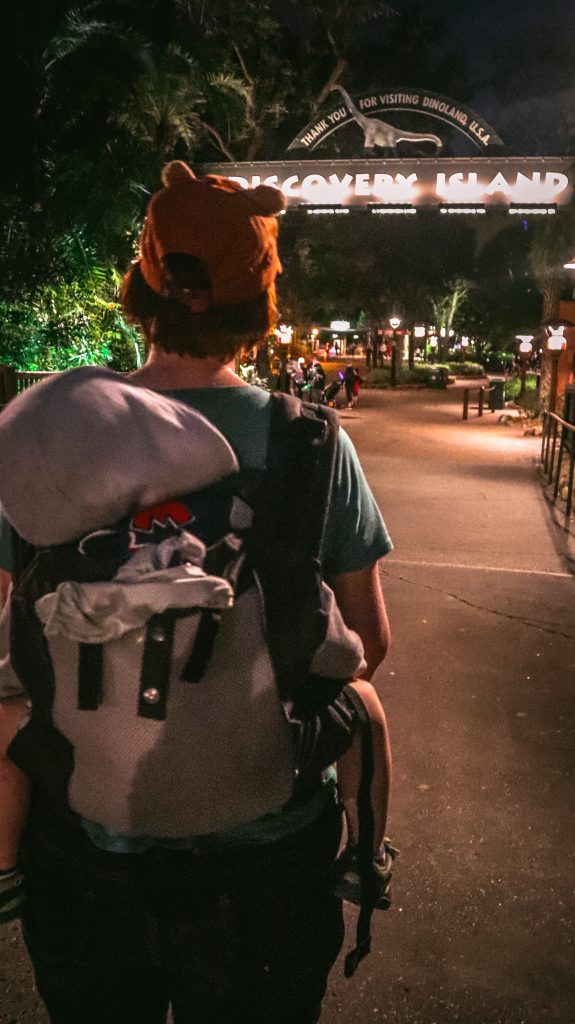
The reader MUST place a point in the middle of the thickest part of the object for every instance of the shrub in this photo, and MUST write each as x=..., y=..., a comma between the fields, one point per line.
x=68, y=323
x=466, y=369
x=380, y=377
x=529, y=401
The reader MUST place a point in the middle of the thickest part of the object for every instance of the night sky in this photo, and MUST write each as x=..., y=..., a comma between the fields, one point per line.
x=517, y=61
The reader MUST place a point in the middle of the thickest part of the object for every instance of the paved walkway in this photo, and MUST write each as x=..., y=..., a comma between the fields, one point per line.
x=481, y=703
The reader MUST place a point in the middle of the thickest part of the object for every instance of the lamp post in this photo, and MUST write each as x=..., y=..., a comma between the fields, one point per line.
x=525, y=350
x=394, y=323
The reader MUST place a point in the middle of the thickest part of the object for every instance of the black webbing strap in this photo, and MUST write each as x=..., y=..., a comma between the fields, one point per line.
x=365, y=842
x=90, y=676
x=204, y=640
x=21, y=554
x=156, y=661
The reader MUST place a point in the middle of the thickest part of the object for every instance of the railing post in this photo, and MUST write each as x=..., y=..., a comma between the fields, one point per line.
x=553, y=447
x=544, y=439
x=466, y=403
x=559, y=464
x=481, y=400
x=570, y=482
x=8, y=384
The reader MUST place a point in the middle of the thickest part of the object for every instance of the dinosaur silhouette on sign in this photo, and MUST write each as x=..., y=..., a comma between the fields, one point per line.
x=380, y=133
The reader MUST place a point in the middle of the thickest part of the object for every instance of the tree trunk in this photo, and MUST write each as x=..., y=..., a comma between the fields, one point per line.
x=551, y=292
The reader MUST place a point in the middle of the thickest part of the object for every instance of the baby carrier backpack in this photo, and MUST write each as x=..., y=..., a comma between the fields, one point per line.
x=184, y=658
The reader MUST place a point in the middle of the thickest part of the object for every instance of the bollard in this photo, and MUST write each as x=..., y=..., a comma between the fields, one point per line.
x=466, y=403
x=481, y=400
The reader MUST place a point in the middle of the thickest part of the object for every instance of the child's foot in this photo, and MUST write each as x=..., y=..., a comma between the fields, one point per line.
x=348, y=884
x=11, y=894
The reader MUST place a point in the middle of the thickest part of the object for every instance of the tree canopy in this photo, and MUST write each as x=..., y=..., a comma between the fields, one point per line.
x=108, y=90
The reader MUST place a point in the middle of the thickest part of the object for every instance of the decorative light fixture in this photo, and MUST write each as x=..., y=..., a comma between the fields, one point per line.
x=571, y=265
x=555, y=345
x=284, y=334
x=525, y=340
x=556, y=342
x=394, y=322
x=419, y=331
x=340, y=325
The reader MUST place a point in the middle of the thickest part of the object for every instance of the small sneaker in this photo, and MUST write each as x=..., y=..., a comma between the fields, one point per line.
x=348, y=884
x=11, y=895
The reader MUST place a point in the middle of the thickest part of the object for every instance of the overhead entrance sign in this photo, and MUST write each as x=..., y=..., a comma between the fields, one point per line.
x=466, y=184
x=404, y=169
x=379, y=133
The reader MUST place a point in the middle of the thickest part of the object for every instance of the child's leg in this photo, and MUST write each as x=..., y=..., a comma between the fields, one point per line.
x=349, y=770
x=14, y=786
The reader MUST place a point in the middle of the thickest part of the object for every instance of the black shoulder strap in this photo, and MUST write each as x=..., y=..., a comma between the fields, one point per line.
x=365, y=841
x=22, y=554
x=301, y=459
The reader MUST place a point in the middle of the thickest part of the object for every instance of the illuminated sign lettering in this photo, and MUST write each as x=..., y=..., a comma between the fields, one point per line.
x=379, y=133
x=466, y=183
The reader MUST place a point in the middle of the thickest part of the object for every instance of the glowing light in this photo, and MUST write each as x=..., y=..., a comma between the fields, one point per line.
x=459, y=187
x=464, y=341
x=462, y=209
x=419, y=332
x=393, y=209
x=394, y=322
x=570, y=266
x=556, y=342
x=332, y=190
x=327, y=209
x=394, y=189
x=340, y=325
x=284, y=334
x=528, y=210
x=433, y=341
x=525, y=347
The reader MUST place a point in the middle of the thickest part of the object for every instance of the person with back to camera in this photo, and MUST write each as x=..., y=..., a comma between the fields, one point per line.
x=222, y=924
x=349, y=379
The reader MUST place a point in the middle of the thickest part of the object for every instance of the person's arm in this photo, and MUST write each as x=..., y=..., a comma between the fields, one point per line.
x=360, y=600
x=5, y=580
x=14, y=786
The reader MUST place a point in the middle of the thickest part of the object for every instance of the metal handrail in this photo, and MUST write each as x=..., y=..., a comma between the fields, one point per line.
x=483, y=391
x=552, y=460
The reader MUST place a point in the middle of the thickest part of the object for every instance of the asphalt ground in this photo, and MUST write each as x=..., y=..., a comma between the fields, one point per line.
x=479, y=694
x=478, y=689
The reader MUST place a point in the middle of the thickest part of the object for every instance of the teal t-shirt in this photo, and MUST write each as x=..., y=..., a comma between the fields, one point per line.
x=355, y=538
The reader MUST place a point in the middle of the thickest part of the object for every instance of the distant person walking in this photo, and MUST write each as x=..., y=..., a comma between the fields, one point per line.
x=357, y=382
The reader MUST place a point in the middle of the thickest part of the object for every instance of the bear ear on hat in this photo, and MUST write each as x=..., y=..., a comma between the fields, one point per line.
x=176, y=173
x=265, y=200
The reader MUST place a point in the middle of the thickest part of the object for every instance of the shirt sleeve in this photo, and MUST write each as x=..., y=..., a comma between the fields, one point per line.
x=356, y=536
